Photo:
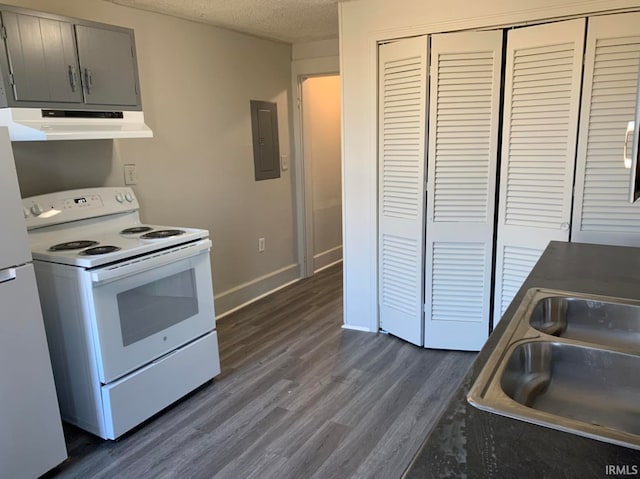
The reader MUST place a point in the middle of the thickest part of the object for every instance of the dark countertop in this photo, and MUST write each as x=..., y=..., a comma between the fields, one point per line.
x=468, y=442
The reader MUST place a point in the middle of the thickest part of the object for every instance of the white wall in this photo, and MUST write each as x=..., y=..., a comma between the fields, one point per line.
x=317, y=49
x=196, y=83
x=322, y=153
x=363, y=23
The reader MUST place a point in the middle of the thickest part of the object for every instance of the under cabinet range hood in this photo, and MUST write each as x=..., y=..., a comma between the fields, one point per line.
x=35, y=124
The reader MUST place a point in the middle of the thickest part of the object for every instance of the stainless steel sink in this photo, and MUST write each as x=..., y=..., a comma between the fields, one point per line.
x=570, y=362
x=590, y=321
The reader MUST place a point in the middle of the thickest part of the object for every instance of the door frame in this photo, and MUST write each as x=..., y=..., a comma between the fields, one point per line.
x=301, y=70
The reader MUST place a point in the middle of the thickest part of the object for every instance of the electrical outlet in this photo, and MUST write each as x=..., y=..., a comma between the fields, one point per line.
x=261, y=245
x=284, y=162
x=130, y=175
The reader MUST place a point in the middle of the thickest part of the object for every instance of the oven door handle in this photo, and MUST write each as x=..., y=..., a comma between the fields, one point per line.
x=149, y=262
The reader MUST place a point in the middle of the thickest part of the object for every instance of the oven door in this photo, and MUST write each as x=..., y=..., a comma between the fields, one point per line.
x=147, y=307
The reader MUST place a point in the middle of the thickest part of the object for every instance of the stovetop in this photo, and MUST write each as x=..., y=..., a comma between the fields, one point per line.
x=91, y=228
x=126, y=245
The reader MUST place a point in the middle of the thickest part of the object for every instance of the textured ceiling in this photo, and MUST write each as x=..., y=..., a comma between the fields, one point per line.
x=291, y=21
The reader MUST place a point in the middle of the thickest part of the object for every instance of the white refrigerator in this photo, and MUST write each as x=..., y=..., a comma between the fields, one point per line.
x=31, y=437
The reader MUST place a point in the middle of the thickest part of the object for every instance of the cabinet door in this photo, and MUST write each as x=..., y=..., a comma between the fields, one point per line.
x=108, y=66
x=42, y=59
x=401, y=162
x=464, y=114
x=541, y=105
x=602, y=212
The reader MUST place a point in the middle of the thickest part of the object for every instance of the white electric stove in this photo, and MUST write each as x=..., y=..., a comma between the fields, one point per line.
x=128, y=307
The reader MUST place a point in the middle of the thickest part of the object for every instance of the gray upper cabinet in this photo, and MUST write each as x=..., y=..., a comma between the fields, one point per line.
x=108, y=67
x=42, y=59
x=64, y=63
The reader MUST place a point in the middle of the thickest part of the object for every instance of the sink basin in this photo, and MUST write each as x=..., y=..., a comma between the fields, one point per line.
x=569, y=362
x=589, y=321
x=584, y=384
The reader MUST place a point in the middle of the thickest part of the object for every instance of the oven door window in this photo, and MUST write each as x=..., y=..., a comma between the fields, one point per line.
x=143, y=316
x=156, y=306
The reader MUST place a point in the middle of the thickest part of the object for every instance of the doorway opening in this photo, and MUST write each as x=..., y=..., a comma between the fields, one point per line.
x=320, y=115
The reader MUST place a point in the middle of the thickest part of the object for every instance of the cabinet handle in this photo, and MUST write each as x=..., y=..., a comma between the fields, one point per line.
x=7, y=275
x=73, y=78
x=630, y=130
x=88, y=80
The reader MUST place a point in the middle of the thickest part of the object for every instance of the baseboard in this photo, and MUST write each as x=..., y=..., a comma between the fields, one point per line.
x=240, y=296
x=327, y=258
x=328, y=266
x=357, y=328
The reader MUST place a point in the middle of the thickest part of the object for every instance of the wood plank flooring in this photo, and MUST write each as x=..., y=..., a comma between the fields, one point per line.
x=298, y=397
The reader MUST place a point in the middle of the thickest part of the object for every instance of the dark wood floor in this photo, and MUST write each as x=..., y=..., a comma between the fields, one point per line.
x=298, y=397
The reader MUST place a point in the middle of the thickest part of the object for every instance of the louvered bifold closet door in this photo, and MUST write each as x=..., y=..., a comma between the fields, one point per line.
x=602, y=212
x=402, y=104
x=541, y=106
x=463, y=149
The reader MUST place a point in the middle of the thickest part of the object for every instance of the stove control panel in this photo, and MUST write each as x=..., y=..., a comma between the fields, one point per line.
x=65, y=206
x=93, y=201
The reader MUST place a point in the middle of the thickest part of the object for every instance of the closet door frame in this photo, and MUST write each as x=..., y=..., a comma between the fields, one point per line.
x=360, y=69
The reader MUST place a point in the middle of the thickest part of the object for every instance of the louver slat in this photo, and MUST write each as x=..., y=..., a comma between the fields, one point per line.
x=398, y=273
x=462, y=160
x=463, y=136
x=402, y=135
x=531, y=68
x=458, y=282
x=541, y=107
x=517, y=264
x=401, y=120
x=602, y=211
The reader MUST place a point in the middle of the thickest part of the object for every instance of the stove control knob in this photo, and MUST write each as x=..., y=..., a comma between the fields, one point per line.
x=129, y=197
x=119, y=198
x=37, y=210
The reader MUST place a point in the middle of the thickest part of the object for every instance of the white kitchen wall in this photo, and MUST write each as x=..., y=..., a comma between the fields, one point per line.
x=317, y=49
x=196, y=83
x=364, y=23
x=322, y=153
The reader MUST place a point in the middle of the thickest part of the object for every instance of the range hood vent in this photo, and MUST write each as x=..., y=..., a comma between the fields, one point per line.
x=35, y=124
